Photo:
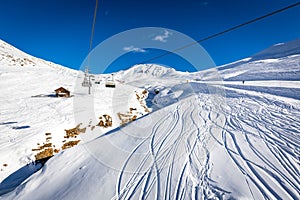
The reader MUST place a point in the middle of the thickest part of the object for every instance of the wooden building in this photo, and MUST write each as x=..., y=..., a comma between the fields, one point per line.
x=62, y=92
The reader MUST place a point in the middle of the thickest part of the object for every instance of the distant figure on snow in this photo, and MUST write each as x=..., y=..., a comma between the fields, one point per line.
x=243, y=82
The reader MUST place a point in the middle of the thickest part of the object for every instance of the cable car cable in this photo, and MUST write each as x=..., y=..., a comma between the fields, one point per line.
x=222, y=32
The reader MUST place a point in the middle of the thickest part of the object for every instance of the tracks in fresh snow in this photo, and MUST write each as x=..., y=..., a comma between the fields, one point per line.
x=176, y=165
x=259, y=135
x=261, y=139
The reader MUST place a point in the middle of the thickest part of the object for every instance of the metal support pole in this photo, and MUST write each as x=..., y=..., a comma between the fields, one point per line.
x=90, y=84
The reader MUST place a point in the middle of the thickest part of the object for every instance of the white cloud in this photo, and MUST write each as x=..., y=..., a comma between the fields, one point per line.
x=162, y=38
x=205, y=3
x=134, y=49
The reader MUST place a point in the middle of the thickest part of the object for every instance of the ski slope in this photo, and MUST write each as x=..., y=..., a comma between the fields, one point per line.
x=203, y=138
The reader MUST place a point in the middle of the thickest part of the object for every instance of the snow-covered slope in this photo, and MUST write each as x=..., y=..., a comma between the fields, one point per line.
x=279, y=62
x=31, y=116
x=24, y=119
x=204, y=139
x=279, y=50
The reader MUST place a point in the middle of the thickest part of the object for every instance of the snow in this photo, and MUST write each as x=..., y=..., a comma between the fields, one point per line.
x=286, y=68
x=279, y=50
x=205, y=135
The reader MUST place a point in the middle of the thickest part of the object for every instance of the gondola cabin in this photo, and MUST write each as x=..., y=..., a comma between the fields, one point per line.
x=62, y=92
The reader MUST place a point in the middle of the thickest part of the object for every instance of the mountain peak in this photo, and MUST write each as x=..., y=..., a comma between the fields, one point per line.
x=279, y=50
x=148, y=70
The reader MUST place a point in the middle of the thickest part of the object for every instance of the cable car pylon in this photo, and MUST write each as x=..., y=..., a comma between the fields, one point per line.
x=87, y=77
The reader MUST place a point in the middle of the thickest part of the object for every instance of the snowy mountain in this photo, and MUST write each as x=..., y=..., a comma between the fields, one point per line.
x=141, y=71
x=279, y=50
x=225, y=133
x=278, y=62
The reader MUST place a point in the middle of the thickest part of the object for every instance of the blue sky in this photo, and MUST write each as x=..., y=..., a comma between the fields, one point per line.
x=59, y=30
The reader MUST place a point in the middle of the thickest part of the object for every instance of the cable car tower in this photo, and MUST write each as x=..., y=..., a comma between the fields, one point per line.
x=87, y=77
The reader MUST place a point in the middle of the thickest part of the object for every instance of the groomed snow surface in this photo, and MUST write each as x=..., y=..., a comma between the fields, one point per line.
x=227, y=133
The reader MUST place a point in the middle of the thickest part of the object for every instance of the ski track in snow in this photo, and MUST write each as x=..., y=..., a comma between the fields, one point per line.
x=259, y=134
x=272, y=173
x=160, y=152
x=266, y=119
